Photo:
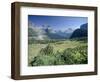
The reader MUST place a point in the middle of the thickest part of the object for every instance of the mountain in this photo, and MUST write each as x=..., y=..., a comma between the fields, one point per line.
x=43, y=33
x=52, y=34
x=36, y=34
x=80, y=32
x=69, y=30
x=84, y=26
x=64, y=34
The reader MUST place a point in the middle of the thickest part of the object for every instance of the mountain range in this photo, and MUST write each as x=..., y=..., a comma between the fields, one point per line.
x=41, y=33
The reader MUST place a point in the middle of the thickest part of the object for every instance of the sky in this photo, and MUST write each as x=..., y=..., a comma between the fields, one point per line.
x=57, y=22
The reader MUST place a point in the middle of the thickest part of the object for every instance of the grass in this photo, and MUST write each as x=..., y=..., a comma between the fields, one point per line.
x=59, y=47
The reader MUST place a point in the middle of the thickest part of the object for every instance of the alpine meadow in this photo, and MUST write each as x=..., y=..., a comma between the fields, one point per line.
x=57, y=40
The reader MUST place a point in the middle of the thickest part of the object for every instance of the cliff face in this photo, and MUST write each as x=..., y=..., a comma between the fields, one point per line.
x=80, y=32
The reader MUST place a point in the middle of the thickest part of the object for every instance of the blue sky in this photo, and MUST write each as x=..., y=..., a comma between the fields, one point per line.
x=58, y=22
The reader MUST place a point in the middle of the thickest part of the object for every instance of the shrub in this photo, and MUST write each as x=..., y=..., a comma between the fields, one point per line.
x=67, y=56
x=81, y=55
x=43, y=60
x=59, y=60
x=77, y=55
x=48, y=50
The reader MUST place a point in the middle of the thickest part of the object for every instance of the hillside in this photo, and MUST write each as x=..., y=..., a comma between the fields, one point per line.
x=80, y=32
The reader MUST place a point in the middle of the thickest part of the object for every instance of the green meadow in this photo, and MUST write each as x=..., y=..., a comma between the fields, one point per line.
x=57, y=52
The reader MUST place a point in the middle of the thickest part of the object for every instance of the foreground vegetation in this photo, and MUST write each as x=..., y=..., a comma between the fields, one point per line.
x=57, y=52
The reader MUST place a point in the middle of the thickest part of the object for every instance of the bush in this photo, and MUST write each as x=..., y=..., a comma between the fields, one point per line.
x=81, y=55
x=68, y=56
x=77, y=55
x=45, y=57
x=43, y=60
x=58, y=59
x=48, y=50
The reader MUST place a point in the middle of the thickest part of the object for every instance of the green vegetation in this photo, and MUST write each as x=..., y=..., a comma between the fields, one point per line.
x=57, y=52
